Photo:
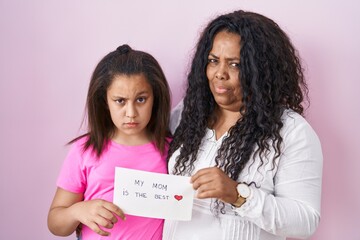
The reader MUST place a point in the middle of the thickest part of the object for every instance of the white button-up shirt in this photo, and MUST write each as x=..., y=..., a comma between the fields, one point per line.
x=286, y=202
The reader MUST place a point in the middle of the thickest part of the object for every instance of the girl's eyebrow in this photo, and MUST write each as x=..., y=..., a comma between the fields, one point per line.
x=142, y=92
x=137, y=94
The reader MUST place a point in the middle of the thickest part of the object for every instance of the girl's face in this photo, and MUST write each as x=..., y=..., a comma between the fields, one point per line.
x=223, y=70
x=130, y=100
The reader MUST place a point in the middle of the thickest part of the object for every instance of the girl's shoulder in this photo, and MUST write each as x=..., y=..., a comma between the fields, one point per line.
x=82, y=146
x=80, y=141
x=169, y=139
x=79, y=149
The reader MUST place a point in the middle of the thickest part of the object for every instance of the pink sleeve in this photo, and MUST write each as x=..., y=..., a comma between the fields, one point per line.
x=73, y=175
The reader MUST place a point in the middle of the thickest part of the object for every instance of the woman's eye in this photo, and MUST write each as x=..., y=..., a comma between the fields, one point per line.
x=141, y=100
x=235, y=65
x=211, y=60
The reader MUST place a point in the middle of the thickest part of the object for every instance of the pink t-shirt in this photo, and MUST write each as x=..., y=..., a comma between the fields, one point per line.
x=83, y=173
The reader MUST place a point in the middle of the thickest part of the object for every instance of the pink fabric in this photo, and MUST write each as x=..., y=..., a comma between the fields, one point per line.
x=83, y=173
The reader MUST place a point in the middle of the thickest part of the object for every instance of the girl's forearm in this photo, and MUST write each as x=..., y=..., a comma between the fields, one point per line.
x=61, y=221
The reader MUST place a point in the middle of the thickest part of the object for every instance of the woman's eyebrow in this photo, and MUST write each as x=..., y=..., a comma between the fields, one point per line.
x=228, y=59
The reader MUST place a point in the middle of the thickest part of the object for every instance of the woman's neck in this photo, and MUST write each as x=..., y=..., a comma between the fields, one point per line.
x=223, y=120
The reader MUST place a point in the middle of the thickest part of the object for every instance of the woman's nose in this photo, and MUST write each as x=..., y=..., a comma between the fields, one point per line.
x=221, y=72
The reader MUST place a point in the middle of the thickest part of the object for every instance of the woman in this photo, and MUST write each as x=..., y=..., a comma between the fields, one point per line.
x=254, y=160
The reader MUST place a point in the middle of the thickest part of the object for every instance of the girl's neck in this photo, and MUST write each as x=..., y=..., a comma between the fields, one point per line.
x=133, y=140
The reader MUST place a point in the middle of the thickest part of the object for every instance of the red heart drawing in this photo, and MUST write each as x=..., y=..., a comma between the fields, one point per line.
x=178, y=197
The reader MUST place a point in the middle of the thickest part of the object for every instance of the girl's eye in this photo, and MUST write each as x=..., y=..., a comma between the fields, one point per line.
x=120, y=101
x=141, y=100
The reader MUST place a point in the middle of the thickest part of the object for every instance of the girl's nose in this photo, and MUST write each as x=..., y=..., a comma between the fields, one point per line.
x=130, y=111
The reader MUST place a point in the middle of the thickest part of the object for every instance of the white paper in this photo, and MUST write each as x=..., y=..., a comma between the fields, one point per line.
x=154, y=195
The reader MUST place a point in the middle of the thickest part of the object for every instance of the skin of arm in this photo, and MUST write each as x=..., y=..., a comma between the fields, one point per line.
x=68, y=210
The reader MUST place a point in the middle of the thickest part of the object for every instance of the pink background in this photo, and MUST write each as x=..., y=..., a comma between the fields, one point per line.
x=48, y=50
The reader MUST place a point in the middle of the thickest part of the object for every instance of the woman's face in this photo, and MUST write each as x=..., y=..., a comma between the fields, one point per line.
x=223, y=70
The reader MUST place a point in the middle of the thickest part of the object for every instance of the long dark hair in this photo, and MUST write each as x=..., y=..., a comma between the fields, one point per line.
x=125, y=61
x=272, y=80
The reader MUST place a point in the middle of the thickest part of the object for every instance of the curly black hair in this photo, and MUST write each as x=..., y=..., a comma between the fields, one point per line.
x=272, y=80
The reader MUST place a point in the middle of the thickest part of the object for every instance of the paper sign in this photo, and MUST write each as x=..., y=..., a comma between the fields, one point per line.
x=156, y=195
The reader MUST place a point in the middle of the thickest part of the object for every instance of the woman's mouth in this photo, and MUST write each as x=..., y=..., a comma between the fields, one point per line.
x=221, y=89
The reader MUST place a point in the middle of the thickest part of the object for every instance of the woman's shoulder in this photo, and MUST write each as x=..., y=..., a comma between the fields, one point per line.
x=292, y=118
x=296, y=125
x=175, y=116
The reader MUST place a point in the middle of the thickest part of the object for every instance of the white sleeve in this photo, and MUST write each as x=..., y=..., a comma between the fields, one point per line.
x=293, y=209
x=175, y=116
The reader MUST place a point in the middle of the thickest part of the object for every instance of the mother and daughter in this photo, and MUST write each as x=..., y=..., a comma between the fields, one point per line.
x=254, y=161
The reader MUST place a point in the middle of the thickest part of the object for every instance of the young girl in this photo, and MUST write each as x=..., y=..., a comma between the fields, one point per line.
x=128, y=108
